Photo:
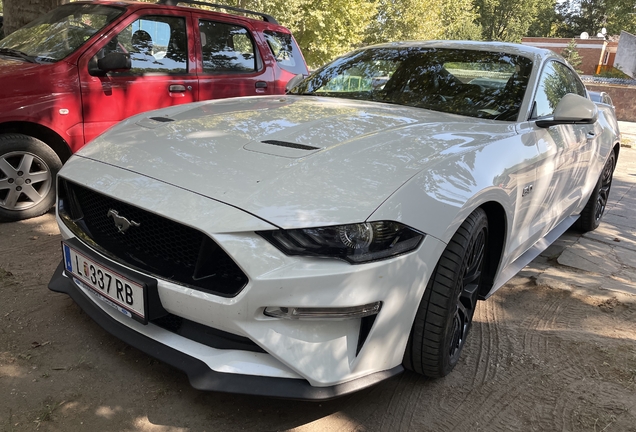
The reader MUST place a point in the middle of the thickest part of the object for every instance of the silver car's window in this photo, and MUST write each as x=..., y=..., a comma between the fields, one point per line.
x=556, y=81
x=467, y=82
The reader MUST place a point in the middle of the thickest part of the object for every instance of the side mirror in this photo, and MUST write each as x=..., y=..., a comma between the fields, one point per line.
x=294, y=81
x=572, y=109
x=113, y=61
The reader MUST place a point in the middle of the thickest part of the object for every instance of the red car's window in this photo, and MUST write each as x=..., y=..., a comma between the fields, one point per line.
x=156, y=44
x=226, y=48
x=286, y=52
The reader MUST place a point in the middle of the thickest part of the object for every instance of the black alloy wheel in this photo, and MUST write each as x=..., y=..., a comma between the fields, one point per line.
x=445, y=314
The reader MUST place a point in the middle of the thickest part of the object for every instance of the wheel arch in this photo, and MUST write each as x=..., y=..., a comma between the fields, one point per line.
x=43, y=133
x=497, y=229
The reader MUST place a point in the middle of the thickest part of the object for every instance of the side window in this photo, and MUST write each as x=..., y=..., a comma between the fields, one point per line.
x=226, y=48
x=156, y=44
x=285, y=51
x=556, y=81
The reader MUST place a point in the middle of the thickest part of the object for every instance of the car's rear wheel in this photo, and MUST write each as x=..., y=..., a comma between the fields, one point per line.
x=591, y=215
x=445, y=314
x=27, y=177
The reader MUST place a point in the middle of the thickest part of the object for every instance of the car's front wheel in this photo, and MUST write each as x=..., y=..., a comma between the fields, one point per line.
x=28, y=168
x=446, y=311
x=591, y=215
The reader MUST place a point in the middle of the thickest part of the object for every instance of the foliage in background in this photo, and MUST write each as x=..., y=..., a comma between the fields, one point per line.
x=544, y=24
x=506, y=20
x=326, y=29
x=577, y=16
x=572, y=56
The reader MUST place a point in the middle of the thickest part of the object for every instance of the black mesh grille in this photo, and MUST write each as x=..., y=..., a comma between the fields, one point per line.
x=152, y=244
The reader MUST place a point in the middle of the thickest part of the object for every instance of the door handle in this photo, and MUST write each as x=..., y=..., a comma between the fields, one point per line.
x=261, y=84
x=177, y=88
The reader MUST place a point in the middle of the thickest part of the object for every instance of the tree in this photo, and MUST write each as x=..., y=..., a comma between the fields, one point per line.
x=323, y=29
x=19, y=12
x=405, y=20
x=422, y=19
x=505, y=20
x=577, y=16
x=458, y=20
x=546, y=20
x=572, y=55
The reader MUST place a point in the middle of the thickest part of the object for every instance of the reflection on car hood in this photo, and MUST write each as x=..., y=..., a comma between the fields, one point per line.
x=293, y=161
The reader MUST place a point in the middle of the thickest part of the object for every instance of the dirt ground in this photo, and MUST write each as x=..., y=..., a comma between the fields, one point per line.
x=538, y=359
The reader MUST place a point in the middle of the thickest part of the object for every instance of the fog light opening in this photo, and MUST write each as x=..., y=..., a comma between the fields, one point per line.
x=304, y=313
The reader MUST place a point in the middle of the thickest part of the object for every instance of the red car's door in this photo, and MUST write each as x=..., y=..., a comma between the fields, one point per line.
x=162, y=73
x=230, y=60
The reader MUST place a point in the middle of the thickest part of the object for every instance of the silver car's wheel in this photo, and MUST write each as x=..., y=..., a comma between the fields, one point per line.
x=591, y=215
x=27, y=172
x=446, y=311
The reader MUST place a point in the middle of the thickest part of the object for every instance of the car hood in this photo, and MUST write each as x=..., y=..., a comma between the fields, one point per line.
x=294, y=161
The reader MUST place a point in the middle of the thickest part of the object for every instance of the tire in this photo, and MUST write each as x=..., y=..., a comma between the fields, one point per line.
x=28, y=168
x=445, y=314
x=592, y=214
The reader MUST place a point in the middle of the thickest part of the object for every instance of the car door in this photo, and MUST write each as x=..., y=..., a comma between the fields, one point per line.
x=564, y=150
x=231, y=63
x=162, y=69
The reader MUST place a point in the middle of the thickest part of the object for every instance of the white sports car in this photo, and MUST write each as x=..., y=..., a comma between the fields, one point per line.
x=310, y=245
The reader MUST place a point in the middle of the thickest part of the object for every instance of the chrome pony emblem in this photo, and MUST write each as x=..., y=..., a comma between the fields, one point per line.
x=121, y=222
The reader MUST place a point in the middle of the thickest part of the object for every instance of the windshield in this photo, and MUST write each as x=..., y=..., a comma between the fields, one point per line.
x=473, y=83
x=60, y=32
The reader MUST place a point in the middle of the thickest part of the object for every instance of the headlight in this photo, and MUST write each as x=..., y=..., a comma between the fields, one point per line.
x=355, y=243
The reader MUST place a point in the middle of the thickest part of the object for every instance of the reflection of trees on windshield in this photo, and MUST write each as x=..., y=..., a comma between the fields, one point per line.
x=60, y=32
x=466, y=82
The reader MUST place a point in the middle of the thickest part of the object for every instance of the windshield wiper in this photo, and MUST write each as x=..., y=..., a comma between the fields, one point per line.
x=15, y=53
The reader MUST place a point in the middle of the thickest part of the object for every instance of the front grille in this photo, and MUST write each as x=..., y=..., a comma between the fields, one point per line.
x=153, y=244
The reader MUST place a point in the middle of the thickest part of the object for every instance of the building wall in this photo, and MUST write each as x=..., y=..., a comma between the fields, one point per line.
x=623, y=96
x=591, y=50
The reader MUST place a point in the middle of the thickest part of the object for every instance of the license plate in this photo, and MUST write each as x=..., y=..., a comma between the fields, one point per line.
x=115, y=288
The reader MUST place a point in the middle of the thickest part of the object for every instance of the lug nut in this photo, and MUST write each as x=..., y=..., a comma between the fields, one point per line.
x=20, y=173
x=19, y=188
x=11, y=180
x=28, y=181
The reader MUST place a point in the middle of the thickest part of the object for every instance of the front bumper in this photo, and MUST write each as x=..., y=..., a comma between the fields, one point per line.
x=200, y=375
x=323, y=358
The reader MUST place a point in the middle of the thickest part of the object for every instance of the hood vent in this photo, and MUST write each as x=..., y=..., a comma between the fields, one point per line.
x=290, y=145
x=154, y=122
x=161, y=119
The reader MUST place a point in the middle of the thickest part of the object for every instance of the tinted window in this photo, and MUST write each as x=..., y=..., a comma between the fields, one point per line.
x=466, y=82
x=226, y=48
x=556, y=81
x=156, y=44
x=286, y=51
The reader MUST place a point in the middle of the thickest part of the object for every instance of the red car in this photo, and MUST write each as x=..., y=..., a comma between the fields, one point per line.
x=74, y=72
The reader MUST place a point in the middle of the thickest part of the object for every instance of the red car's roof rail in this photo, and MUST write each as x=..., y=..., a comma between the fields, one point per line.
x=266, y=17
